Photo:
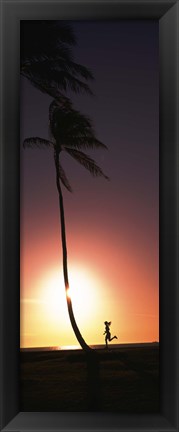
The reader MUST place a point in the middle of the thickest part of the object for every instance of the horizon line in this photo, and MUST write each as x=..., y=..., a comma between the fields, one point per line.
x=73, y=347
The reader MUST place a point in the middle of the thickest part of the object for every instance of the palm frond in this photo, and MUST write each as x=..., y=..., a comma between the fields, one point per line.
x=63, y=178
x=47, y=60
x=44, y=87
x=87, y=162
x=58, y=56
x=72, y=83
x=84, y=142
x=52, y=79
x=81, y=70
x=37, y=142
x=59, y=103
x=66, y=64
x=64, y=32
x=72, y=128
x=42, y=36
x=59, y=60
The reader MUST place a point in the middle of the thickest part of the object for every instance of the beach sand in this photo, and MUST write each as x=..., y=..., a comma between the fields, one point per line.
x=124, y=380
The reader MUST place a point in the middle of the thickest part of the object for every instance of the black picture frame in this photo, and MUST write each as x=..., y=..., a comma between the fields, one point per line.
x=167, y=12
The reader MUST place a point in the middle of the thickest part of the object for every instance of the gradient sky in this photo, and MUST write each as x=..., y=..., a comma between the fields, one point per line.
x=112, y=227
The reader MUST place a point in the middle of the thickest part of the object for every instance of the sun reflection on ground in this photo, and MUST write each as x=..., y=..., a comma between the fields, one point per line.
x=69, y=347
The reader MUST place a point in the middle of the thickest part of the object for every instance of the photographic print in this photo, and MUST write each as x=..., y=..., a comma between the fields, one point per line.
x=89, y=216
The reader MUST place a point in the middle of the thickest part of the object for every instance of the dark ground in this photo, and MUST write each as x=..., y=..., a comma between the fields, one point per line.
x=122, y=380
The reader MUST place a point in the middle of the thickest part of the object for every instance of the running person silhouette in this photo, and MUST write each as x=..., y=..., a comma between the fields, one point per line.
x=107, y=333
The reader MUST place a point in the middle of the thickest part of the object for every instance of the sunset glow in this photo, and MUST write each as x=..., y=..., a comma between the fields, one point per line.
x=82, y=292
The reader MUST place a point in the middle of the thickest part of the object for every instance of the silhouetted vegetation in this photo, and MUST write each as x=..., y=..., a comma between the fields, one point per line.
x=47, y=58
x=47, y=61
x=70, y=131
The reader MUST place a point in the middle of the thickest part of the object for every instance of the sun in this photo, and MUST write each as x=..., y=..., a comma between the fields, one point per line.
x=83, y=292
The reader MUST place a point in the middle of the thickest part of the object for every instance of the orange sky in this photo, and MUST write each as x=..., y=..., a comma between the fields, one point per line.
x=113, y=277
x=118, y=288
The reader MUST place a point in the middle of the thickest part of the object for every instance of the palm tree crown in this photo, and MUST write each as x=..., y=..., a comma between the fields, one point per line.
x=70, y=131
x=47, y=60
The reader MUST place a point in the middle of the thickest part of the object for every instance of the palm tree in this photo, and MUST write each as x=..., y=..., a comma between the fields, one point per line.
x=47, y=60
x=70, y=132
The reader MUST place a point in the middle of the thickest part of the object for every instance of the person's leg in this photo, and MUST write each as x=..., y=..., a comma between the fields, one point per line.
x=111, y=338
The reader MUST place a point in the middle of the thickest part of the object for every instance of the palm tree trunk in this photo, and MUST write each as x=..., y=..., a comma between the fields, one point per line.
x=65, y=265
